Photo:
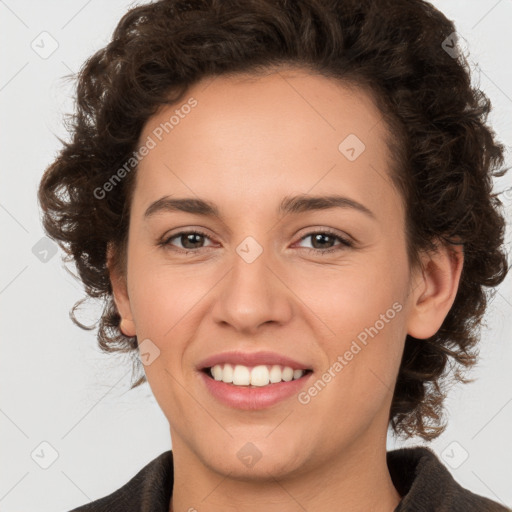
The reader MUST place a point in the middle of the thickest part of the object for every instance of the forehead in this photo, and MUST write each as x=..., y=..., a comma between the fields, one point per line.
x=307, y=105
x=287, y=131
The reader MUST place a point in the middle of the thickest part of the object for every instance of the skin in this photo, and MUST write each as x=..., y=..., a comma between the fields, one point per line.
x=248, y=143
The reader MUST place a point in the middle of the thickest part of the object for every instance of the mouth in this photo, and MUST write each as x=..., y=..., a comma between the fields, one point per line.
x=254, y=376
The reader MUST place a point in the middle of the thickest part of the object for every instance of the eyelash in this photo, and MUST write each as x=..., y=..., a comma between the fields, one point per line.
x=165, y=243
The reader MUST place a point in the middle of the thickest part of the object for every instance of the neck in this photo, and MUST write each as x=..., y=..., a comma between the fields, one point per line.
x=356, y=480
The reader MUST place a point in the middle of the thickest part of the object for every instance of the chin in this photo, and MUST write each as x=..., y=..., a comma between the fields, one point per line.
x=257, y=459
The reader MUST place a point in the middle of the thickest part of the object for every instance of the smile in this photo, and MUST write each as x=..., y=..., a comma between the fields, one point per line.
x=257, y=376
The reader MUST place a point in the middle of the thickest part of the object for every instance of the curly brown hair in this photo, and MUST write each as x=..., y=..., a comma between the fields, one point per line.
x=446, y=154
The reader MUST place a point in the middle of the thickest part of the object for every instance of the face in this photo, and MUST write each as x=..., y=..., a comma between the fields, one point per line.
x=326, y=287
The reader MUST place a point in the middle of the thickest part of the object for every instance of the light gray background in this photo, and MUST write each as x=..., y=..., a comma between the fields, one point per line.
x=59, y=389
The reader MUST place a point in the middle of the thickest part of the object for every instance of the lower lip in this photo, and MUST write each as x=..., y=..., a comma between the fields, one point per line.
x=253, y=398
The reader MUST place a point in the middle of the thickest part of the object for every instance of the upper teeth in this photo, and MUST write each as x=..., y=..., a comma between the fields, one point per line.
x=261, y=375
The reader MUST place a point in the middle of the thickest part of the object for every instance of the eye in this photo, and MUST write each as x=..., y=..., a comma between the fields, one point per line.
x=190, y=240
x=321, y=238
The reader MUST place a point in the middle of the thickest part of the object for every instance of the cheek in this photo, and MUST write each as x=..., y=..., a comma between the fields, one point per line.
x=363, y=357
x=362, y=307
x=352, y=296
x=163, y=296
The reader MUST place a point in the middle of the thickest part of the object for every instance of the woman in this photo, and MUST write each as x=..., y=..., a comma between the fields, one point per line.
x=288, y=208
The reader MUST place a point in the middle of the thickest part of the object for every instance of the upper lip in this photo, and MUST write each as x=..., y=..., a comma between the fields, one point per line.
x=252, y=359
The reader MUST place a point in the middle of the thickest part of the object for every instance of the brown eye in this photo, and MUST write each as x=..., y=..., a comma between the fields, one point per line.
x=322, y=242
x=190, y=241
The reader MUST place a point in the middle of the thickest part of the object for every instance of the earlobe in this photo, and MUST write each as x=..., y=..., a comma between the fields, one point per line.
x=435, y=290
x=127, y=327
x=120, y=293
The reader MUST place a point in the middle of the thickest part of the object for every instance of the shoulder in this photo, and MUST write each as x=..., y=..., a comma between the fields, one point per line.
x=425, y=484
x=149, y=489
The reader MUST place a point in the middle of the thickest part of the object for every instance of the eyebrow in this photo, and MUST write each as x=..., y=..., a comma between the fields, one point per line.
x=289, y=205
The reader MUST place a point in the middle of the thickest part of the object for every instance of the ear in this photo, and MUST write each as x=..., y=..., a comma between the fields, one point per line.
x=435, y=288
x=120, y=292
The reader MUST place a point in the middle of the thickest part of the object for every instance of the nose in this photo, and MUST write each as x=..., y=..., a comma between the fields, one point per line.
x=254, y=292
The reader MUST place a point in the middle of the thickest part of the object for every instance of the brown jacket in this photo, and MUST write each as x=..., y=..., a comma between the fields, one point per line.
x=418, y=475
